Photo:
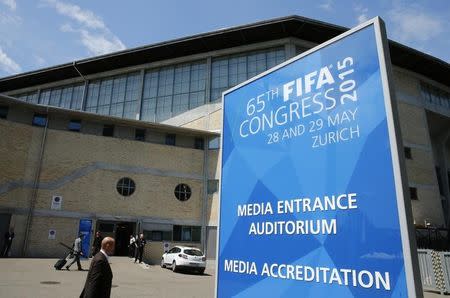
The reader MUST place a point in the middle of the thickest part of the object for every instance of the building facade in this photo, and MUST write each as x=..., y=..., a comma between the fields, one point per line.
x=149, y=124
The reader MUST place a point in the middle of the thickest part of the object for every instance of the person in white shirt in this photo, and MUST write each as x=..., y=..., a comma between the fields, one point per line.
x=131, y=247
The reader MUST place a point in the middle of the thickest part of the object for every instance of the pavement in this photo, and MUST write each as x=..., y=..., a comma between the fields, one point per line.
x=38, y=278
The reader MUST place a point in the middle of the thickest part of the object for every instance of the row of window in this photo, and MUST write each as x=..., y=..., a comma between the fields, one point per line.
x=178, y=233
x=108, y=130
x=166, y=92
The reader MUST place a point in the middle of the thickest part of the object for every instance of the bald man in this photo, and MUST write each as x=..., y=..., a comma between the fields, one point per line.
x=99, y=278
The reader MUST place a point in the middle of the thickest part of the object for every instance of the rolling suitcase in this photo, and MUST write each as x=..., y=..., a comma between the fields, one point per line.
x=60, y=263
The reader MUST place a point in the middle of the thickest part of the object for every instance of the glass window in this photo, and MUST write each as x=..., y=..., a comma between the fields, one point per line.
x=182, y=192
x=126, y=186
x=139, y=135
x=39, y=120
x=66, y=97
x=172, y=90
x=55, y=97
x=229, y=71
x=44, y=98
x=170, y=139
x=213, y=186
x=214, y=143
x=77, y=97
x=187, y=233
x=75, y=125
x=199, y=143
x=4, y=112
x=108, y=130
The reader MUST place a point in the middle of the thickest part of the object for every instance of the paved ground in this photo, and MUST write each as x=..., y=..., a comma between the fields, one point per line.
x=25, y=278
x=30, y=278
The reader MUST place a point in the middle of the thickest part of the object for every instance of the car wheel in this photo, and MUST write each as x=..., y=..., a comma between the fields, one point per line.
x=174, y=267
x=162, y=263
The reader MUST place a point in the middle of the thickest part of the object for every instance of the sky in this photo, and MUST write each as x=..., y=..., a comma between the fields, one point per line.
x=35, y=34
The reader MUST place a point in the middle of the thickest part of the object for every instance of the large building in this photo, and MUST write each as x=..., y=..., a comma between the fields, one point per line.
x=129, y=141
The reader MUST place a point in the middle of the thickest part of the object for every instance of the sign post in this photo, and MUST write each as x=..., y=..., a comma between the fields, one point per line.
x=312, y=192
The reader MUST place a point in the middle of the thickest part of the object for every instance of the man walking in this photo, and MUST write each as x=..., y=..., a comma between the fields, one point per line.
x=97, y=243
x=140, y=244
x=77, y=252
x=9, y=236
x=99, y=278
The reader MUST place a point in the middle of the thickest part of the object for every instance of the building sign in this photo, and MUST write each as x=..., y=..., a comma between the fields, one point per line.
x=85, y=229
x=311, y=191
x=51, y=234
x=56, y=202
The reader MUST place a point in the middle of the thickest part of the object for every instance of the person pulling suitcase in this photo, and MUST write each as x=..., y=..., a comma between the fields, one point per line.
x=77, y=252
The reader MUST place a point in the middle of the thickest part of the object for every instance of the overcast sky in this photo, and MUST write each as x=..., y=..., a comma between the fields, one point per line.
x=41, y=33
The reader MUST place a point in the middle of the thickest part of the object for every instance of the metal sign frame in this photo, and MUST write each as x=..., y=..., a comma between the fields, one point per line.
x=413, y=282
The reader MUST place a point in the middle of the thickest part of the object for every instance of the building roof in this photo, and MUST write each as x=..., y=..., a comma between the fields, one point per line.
x=11, y=101
x=291, y=26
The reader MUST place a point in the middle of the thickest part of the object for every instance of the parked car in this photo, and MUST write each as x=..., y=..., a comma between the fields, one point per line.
x=182, y=257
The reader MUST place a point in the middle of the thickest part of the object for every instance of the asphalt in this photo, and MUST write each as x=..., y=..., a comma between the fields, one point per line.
x=38, y=278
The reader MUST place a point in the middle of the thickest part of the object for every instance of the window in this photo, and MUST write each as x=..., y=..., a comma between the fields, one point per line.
x=413, y=193
x=187, y=233
x=231, y=70
x=172, y=90
x=214, y=143
x=108, y=130
x=213, y=186
x=158, y=235
x=126, y=186
x=183, y=192
x=408, y=153
x=40, y=120
x=139, y=135
x=170, y=139
x=4, y=112
x=199, y=143
x=75, y=125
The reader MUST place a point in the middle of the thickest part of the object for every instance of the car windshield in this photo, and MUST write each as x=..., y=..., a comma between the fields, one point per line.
x=193, y=252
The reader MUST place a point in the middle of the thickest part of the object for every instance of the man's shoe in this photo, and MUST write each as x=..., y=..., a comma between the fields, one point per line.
x=67, y=267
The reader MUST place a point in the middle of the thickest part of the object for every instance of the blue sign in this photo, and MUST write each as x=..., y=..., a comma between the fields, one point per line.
x=311, y=192
x=85, y=229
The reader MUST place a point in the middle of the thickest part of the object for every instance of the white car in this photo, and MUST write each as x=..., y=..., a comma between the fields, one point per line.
x=182, y=257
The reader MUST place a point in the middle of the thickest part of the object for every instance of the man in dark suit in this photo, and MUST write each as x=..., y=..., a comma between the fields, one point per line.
x=99, y=279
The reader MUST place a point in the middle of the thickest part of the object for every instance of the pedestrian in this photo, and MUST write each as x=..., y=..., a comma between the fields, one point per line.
x=131, y=247
x=99, y=278
x=9, y=236
x=140, y=244
x=97, y=243
x=77, y=252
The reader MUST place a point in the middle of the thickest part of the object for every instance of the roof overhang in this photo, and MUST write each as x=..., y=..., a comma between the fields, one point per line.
x=291, y=26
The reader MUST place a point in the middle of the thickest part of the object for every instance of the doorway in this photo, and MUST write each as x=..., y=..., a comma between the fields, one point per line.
x=4, y=227
x=120, y=231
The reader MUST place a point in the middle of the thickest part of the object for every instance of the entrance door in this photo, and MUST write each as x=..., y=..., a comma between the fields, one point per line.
x=4, y=227
x=123, y=232
x=120, y=231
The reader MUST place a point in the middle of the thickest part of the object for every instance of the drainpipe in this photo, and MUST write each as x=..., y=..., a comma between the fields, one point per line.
x=74, y=64
x=205, y=195
x=35, y=188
